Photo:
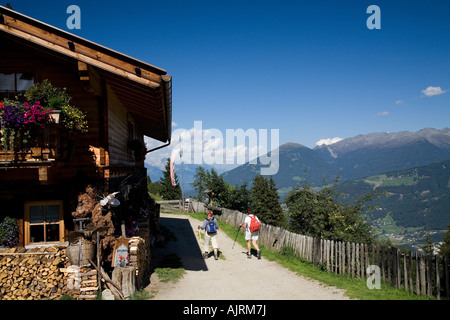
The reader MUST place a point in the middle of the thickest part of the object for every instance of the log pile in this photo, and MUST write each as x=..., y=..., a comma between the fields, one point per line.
x=41, y=273
x=82, y=283
x=140, y=259
x=32, y=274
x=46, y=272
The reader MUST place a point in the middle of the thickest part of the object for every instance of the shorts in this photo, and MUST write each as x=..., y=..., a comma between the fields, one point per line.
x=251, y=235
x=214, y=242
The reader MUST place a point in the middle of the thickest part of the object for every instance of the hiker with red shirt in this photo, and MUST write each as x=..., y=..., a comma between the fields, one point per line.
x=251, y=235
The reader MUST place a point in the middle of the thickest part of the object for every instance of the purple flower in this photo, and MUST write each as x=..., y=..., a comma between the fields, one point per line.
x=12, y=117
x=9, y=232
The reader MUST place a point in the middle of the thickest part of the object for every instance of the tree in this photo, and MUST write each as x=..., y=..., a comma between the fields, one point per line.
x=220, y=188
x=168, y=191
x=428, y=247
x=239, y=198
x=318, y=214
x=200, y=183
x=153, y=187
x=265, y=201
x=444, y=248
x=204, y=179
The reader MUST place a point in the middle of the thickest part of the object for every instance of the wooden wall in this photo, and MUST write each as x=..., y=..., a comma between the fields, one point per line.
x=64, y=73
x=118, y=122
x=108, y=129
x=15, y=57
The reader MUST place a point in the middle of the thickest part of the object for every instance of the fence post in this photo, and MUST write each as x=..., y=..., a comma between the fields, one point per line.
x=438, y=279
x=389, y=264
x=405, y=272
x=383, y=265
x=411, y=288
x=417, y=274
x=332, y=254
x=429, y=270
x=366, y=262
x=327, y=253
x=353, y=260
x=399, y=271
x=423, y=282
x=349, y=259
x=316, y=251
x=447, y=286
x=363, y=264
x=358, y=261
x=344, y=258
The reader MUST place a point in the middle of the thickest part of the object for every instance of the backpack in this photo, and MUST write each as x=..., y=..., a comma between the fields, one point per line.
x=211, y=225
x=254, y=224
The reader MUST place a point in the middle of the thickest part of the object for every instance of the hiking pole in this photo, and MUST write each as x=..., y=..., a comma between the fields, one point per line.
x=236, y=237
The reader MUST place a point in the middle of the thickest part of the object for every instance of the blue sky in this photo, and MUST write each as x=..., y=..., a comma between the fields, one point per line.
x=311, y=69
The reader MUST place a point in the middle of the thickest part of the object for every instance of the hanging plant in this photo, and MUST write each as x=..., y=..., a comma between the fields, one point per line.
x=73, y=120
x=54, y=98
x=36, y=114
x=13, y=116
x=138, y=147
x=48, y=95
x=19, y=121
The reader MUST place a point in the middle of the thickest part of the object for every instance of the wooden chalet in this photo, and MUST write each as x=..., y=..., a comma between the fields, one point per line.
x=123, y=98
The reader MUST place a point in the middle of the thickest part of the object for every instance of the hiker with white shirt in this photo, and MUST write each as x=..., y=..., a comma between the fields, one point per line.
x=251, y=225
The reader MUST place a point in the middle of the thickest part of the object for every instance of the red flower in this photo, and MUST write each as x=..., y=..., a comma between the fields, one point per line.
x=1, y=105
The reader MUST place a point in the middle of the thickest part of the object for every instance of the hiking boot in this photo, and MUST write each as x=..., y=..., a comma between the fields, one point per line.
x=205, y=255
x=249, y=256
x=259, y=254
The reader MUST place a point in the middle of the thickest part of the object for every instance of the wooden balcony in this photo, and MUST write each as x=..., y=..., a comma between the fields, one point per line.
x=45, y=145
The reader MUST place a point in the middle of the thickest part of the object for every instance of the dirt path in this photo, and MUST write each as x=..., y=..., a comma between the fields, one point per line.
x=232, y=278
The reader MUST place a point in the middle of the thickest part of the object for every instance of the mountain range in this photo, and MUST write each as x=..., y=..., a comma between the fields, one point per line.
x=353, y=158
x=412, y=167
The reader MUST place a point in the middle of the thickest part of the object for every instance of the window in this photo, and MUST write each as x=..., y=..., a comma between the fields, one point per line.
x=44, y=222
x=11, y=84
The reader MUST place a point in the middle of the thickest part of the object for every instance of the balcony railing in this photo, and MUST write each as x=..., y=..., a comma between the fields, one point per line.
x=43, y=145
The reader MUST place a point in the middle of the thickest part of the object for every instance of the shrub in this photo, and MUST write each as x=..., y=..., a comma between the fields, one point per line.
x=9, y=232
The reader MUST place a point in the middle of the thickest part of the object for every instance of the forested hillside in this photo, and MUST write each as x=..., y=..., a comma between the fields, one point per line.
x=416, y=200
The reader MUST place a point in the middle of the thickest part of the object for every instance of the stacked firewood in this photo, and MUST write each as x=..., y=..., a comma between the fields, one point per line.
x=82, y=283
x=44, y=273
x=32, y=274
x=139, y=258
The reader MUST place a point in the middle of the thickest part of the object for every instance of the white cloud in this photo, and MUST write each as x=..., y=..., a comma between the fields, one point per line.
x=328, y=141
x=174, y=124
x=400, y=102
x=433, y=91
x=206, y=145
x=382, y=114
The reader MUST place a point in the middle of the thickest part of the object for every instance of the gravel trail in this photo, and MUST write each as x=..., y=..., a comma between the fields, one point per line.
x=232, y=278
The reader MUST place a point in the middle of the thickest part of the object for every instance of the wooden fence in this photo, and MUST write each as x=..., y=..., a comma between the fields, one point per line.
x=170, y=205
x=417, y=272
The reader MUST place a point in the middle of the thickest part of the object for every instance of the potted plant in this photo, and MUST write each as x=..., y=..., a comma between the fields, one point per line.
x=22, y=122
x=57, y=100
x=9, y=232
